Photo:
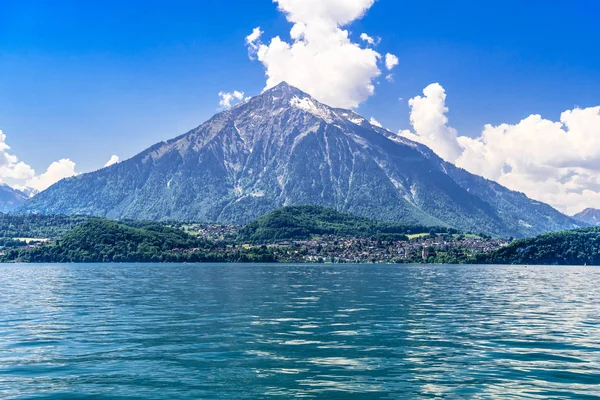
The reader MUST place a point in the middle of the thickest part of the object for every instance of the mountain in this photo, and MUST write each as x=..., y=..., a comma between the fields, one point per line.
x=11, y=198
x=589, y=216
x=304, y=222
x=572, y=247
x=30, y=192
x=284, y=148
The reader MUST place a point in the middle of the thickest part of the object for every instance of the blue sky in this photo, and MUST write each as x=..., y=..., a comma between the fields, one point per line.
x=85, y=80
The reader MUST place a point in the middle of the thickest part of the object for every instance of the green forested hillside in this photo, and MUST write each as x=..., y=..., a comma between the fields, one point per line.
x=38, y=226
x=573, y=247
x=108, y=241
x=104, y=241
x=291, y=233
x=303, y=222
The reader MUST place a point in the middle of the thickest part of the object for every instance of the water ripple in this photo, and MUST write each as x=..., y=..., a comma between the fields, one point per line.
x=255, y=331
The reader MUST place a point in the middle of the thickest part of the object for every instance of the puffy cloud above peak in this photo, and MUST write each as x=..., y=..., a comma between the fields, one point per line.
x=57, y=171
x=554, y=161
x=21, y=176
x=228, y=98
x=557, y=162
x=113, y=160
x=321, y=59
x=12, y=171
x=376, y=123
x=252, y=41
x=334, y=12
x=428, y=118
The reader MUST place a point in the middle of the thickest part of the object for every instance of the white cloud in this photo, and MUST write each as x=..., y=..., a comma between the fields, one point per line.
x=428, y=118
x=374, y=122
x=339, y=12
x=391, y=61
x=113, y=160
x=21, y=176
x=321, y=59
x=252, y=38
x=57, y=171
x=227, y=99
x=557, y=162
x=366, y=38
x=12, y=171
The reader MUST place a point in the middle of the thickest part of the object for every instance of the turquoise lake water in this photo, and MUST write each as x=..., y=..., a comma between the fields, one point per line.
x=298, y=331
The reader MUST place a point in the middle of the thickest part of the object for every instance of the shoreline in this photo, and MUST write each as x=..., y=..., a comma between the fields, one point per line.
x=142, y=263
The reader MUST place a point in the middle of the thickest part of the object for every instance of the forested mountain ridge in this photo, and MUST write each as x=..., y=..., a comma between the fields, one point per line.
x=304, y=222
x=300, y=233
x=572, y=247
x=104, y=241
x=291, y=234
x=589, y=216
x=11, y=198
x=284, y=148
x=38, y=226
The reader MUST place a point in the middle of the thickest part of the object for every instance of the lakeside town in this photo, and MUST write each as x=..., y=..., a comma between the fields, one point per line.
x=423, y=248
x=275, y=238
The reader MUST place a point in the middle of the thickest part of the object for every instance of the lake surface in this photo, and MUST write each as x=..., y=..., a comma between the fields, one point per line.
x=306, y=331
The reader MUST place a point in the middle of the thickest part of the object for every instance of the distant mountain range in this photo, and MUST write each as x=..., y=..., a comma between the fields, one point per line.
x=285, y=148
x=589, y=216
x=11, y=198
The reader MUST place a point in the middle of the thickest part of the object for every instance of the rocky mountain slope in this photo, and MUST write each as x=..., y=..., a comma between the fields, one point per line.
x=10, y=198
x=285, y=148
x=589, y=216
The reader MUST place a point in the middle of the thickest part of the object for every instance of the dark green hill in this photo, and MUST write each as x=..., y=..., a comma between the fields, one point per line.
x=304, y=222
x=107, y=241
x=572, y=247
x=38, y=226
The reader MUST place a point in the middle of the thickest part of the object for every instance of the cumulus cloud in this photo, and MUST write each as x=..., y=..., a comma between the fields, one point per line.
x=113, y=160
x=21, y=176
x=391, y=61
x=252, y=38
x=12, y=171
x=321, y=59
x=374, y=122
x=366, y=38
x=229, y=98
x=430, y=123
x=57, y=171
x=557, y=162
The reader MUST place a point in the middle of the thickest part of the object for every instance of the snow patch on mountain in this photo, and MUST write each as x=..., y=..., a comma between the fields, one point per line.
x=309, y=105
x=285, y=148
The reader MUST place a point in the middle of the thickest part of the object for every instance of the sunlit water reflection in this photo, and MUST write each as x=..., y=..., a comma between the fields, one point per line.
x=256, y=331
